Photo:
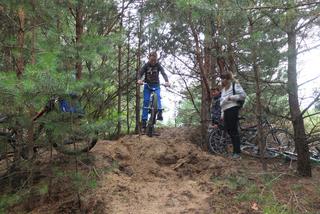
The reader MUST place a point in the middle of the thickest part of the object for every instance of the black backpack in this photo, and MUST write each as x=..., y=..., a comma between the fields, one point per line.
x=239, y=102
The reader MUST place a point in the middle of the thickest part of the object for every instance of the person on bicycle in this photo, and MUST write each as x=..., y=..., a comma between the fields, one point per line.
x=215, y=107
x=229, y=102
x=151, y=71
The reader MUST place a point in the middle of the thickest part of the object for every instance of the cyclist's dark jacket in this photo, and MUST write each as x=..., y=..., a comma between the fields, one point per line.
x=151, y=73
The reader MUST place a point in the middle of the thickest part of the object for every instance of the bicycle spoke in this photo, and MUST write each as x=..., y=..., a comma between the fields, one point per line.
x=217, y=142
x=280, y=140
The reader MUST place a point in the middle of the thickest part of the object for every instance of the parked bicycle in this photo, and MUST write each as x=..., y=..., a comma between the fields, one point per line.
x=314, y=152
x=60, y=124
x=276, y=140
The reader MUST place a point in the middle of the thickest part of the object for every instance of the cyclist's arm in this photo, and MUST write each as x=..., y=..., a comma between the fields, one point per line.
x=164, y=75
x=142, y=72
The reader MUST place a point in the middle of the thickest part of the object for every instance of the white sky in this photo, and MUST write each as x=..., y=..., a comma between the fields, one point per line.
x=309, y=69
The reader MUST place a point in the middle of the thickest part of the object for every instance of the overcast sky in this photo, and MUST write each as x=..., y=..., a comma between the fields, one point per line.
x=308, y=68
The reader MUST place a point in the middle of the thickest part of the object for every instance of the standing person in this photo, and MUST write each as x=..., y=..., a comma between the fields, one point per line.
x=215, y=107
x=151, y=71
x=229, y=102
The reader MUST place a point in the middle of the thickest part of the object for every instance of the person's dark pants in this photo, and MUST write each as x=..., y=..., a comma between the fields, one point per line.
x=231, y=121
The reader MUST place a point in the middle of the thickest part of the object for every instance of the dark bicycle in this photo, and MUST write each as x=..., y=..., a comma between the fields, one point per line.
x=60, y=124
x=276, y=140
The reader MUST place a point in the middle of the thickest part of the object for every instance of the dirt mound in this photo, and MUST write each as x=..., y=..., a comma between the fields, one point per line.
x=164, y=174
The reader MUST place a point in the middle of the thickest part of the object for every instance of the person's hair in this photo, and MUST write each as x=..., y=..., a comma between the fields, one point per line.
x=228, y=76
x=153, y=53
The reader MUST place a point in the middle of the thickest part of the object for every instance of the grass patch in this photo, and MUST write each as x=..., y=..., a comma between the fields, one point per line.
x=9, y=200
x=263, y=195
x=233, y=182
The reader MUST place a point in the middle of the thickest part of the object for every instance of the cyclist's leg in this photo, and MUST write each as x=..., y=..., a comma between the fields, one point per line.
x=159, y=117
x=231, y=124
x=146, y=100
x=158, y=96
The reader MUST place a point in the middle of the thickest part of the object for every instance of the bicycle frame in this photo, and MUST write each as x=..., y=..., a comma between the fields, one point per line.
x=152, y=110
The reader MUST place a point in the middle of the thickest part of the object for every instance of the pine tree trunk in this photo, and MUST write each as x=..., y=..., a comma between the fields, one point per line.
x=127, y=80
x=256, y=71
x=33, y=50
x=137, y=128
x=304, y=167
x=79, y=32
x=119, y=86
x=205, y=99
x=20, y=61
x=33, y=43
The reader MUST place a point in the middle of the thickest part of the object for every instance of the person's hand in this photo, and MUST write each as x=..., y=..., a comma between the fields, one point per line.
x=167, y=84
x=214, y=126
x=140, y=82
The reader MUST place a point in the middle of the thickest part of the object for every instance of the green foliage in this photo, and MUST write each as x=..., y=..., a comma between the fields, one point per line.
x=42, y=188
x=80, y=181
x=187, y=114
x=9, y=200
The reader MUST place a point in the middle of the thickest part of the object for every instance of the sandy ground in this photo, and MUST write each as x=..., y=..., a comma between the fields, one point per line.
x=171, y=174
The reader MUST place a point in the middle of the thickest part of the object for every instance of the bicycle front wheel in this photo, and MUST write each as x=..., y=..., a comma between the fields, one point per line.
x=153, y=114
x=280, y=140
x=217, y=143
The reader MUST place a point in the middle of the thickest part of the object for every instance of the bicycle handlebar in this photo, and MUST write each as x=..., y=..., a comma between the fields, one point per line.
x=148, y=84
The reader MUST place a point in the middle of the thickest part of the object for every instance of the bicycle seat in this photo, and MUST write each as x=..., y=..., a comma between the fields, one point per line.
x=249, y=128
x=151, y=88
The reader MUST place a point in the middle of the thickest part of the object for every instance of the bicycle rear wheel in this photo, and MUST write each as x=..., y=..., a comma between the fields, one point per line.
x=280, y=140
x=314, y=150
x=217, y=143
x=153, y=114
x=72, y=136
x=75, y=143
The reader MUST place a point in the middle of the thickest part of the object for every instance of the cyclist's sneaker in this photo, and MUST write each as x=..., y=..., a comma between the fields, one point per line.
x=159, y=116
x=236, y=156
x=144, y=124
x=143, y=131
